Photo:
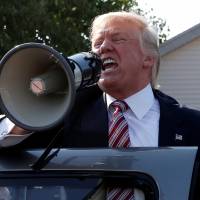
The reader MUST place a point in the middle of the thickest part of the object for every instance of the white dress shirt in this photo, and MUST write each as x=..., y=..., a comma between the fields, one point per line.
x=142, y=117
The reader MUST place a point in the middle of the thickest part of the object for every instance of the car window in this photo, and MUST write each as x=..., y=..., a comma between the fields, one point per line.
x=67, y=189
x=56, y=193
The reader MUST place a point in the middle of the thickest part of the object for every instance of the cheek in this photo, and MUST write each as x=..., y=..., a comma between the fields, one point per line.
x=131, y=65
x=133, y=58
x=129, y=59
x=126, y=54
x=94, y=50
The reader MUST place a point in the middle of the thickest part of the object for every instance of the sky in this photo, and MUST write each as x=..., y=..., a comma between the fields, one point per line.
x=180, y=15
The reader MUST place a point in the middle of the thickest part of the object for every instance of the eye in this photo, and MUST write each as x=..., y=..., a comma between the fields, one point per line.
x=119, y=40
x=98, y=43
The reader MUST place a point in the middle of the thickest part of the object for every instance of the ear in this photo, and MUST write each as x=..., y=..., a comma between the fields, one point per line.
x=149, y=61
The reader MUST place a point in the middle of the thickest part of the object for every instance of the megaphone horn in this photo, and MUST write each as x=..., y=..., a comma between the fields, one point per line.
x=38, y=84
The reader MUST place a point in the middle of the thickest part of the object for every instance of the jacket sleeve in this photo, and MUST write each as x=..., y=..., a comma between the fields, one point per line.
x=7, y=139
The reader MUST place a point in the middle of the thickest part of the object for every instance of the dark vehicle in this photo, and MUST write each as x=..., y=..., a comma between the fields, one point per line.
x=77, y=174
x=156, y=173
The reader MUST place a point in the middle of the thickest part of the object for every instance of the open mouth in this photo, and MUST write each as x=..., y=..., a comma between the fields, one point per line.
x=109, y=63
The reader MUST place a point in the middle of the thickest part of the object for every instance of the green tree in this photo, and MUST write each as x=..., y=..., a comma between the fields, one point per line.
x=62, y=24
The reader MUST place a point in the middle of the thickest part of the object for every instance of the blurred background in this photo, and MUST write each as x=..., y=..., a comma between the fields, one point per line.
x=62, y=24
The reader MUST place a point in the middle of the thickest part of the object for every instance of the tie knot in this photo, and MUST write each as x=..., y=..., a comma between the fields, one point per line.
x=118, y=106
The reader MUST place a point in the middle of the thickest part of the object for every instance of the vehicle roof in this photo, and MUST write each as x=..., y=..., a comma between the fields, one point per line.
x=169, y=168
x=97, y=159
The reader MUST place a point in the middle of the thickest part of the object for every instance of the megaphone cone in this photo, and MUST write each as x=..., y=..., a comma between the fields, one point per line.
x=38, y=84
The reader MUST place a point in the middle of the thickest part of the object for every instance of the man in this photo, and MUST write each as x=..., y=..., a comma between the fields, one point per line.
x=129, y=50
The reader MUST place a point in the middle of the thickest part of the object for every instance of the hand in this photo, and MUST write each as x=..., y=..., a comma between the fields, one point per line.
x=19, y=131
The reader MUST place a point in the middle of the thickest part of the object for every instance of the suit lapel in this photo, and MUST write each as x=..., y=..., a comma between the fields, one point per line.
x=170, y=133
x=167, y=126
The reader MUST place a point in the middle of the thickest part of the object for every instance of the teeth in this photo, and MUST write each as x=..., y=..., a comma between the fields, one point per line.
x=108, y=61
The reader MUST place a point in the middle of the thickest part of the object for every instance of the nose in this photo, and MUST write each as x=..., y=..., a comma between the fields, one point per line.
x=106, y=46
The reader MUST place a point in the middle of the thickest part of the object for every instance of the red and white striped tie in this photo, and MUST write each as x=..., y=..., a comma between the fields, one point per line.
x=119, y=137
x=118, y=128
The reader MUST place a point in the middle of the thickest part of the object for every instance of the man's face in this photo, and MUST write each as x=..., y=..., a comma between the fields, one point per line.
x=119, y=46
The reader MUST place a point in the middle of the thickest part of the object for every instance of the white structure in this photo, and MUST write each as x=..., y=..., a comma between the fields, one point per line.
x=179, y=74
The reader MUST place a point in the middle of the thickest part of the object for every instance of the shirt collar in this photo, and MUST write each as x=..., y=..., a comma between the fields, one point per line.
x=140, y=102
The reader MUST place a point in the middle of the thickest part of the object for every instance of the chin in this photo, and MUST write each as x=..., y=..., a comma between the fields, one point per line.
x=107, y=85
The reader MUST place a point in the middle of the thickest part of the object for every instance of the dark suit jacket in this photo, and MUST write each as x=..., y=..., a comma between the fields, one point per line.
x=87, y=125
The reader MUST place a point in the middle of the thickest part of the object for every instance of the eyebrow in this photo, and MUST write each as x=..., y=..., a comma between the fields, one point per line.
x=118, y=33
x=100, y=34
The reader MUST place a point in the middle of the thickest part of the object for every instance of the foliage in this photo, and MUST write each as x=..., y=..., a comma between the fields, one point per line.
x=62, y=24
x=158, y=23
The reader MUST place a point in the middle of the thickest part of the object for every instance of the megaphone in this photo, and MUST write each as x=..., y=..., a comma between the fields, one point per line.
x=38, y=84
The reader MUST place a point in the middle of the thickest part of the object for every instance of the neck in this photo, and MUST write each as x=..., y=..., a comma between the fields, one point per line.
x=123, y=94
